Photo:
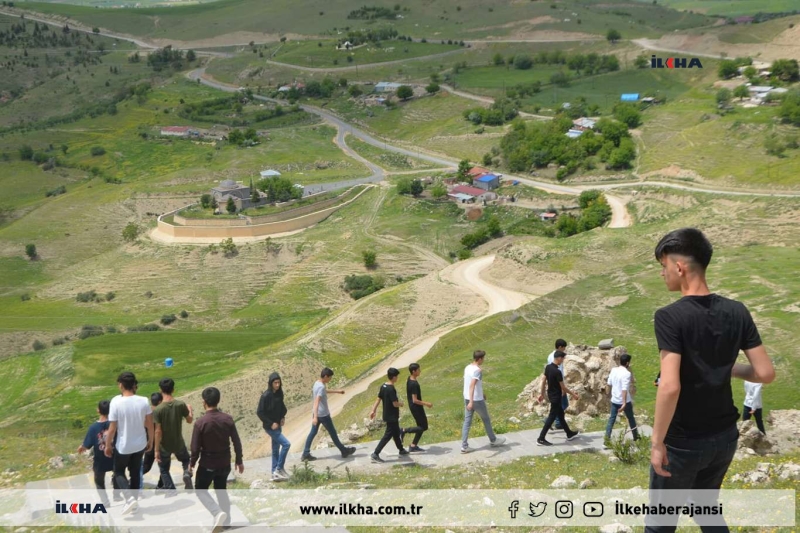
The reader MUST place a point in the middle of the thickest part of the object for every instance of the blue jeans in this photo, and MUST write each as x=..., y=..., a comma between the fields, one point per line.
x=280, y=448
x=615, y=407
x=478, y=406
x=328, y=423
x=564, y=405
x=695, y=464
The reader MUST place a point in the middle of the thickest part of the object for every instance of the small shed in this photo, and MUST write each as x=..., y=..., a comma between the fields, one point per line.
x=583, y=123
x=462, y=198
x=487, y=182
x=547, y=217
x=269, y=173
x=574, y=134
x=386, y=87
x=629, y=97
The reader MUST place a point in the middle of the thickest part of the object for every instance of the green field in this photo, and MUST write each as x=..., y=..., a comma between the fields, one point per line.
x=475, y=20
x=311, y=54
x=391, y=161
x=730, y=8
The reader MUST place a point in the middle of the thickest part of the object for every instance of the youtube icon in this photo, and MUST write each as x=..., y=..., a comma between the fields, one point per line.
x=592, y=509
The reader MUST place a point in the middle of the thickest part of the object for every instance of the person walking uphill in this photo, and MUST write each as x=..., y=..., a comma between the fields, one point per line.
x=699, y=337
x=211, y=447
x=417, y=408
x=272, y=413
x=321, y=415
x=169, y=417
x=621, y=398
x=391, y=415
x=96, y=440
x=555, y=389
x=475, y=401
x=132, y=423
x=561, y=345
x=753, y=404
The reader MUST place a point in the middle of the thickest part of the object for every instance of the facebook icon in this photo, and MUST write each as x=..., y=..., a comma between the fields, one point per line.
x=514, y=508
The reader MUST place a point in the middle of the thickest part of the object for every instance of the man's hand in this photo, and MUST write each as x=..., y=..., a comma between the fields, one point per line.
x=315, y=421
x=275, y=425
x=540, y=399
x=149, y=446
x=429, y=405
x=470, y=406
x=283, y=421
x=658, y=459
x=372, y=415
x=158, y=457
x=752, y=412
x=108, y=451
x=81, y=449
x=341, y=391
x=240, y=468
x=574, y=396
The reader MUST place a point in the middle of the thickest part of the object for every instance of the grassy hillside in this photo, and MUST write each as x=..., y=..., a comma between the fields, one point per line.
x=730, y=8
x=471, y=19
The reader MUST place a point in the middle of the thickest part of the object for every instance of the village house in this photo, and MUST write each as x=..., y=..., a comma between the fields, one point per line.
x=175, y=131
x=547, y=217
x=583, y=124
x=466, y=194
x=386, y=87
x=287, y=88
x=487, y=182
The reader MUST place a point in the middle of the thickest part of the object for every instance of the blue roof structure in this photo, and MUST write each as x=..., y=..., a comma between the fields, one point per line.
x=487, y=178
x=574, y=134
x=630, y=97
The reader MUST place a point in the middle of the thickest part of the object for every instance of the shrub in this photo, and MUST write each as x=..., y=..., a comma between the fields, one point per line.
x=370, y=258
x=184, y=314
x=144, y=327
x=25, y=152
x=168, y=319
x=111, y=329
x=97, y=151
x=464, y=253
x=30, y=251
x=25, y=297
x=131, y=232
x=59, y=341
x=38, y=346
x=629, y=451
x=306, y=475
x=61, y=189
x=85, y=297
x=229, y=248
x=110, y=295
x=90, y=331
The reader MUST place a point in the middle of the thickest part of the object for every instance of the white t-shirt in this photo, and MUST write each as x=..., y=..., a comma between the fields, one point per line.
x=129, y=413
x=620, y=380
x=752, y=395
x=473, y=372
x=550, y=359
x=320, y=390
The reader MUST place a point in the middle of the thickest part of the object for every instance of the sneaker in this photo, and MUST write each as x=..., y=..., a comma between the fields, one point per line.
x=466, y=449
x=187, y=480
x=170, y=493
x=499, y=441
x=219, y=522
x=403, y=452
x=573, y=435
x=376, y=458
x=542, y=442
x=118, y=497
x=131, y=507
x=402, y=434
x=415, y=449
x=308, y=457
x=277, y=477
x=284, y=473
x=348, y=452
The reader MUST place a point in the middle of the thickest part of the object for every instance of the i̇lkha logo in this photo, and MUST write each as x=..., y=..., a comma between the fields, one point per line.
x=79, y=508
x=675, y=62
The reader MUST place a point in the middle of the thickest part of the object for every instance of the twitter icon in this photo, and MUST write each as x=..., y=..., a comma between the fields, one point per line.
x=538, y=509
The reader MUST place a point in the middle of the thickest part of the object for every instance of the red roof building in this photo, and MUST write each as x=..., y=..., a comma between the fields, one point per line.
x=466, y=189
x=476, y=172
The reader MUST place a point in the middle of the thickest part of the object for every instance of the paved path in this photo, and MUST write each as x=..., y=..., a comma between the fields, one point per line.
x=442, y=454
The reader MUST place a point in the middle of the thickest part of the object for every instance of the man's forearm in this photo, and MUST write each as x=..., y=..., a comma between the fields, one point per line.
x=748, y=373
x=666, y=402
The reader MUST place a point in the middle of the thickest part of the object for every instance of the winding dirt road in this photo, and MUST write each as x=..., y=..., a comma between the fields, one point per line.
x=465, y=274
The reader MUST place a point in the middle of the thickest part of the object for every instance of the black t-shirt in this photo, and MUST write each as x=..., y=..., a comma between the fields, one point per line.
x=554, y=378
x=708, y=332
x=388, y=395
x=412, y=387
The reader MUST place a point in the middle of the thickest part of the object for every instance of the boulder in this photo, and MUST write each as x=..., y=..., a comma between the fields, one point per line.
x=606, y=344
x=563, y=482
x=789, y=471
x=587, y=483
x=751, y=438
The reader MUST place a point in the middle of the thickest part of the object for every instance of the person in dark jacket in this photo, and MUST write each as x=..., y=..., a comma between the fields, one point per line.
x=272, y=413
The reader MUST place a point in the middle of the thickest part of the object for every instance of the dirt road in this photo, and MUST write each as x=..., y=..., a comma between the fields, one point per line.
x=464, y=273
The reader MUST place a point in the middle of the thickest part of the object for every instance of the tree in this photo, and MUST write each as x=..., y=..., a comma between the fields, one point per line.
x=464, y=166
x=370, y=258
x=404, y=186
x=786, y=70
x=750, y=72
x=205, y=201
x=774, y=146
x=236, y=137
x=342, y=82
x=97, y=151
x=741, y=92
x=95, y=30
x=522, y=62
x=493, y=227
x=588, y=197
x=613, y=36
x=498, y=60
x=131, y=232
x=228, y=247
x=628, y=115
x=432, y=88
x=622, y=156
x=438, y=191
x=255, y=198
x=30, y=251
x=727, y=69
x=230, y=207
x=723, y=96
x=404, y=92
x=191, y=55
x=25, y=152
x=640, y=61
x=354, y=91
x=416, y=188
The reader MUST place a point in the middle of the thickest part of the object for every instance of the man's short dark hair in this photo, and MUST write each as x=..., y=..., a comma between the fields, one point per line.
x=211, y=396
x=326, y=372
x=167, y=385
x=392, y=372
x=156, y=398
x=103, y=407
x=689, y=242
x=413, y=367
x=478, y=354
x=558, y=353
x=624, y=359
x=128, y=380
x=560, y=343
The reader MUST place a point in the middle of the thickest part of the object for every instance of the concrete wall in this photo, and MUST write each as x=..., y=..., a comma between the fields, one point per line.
x=226, y=222
x=258, y=230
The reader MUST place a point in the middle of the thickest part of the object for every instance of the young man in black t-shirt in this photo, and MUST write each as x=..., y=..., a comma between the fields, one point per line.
x=555, y=389
x=699, y=337
x=391, y=415
x=417, y=408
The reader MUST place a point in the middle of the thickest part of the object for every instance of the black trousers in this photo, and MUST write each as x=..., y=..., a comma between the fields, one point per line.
x=556, y=412
x=133, y=463
x=166, y=461
x=219, y=477
x=422, y=423
x=100, y=484
x=392, y=433
x=758, y=416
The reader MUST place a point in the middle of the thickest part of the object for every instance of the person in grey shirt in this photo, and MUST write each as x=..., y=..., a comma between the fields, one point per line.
x=320, y=414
